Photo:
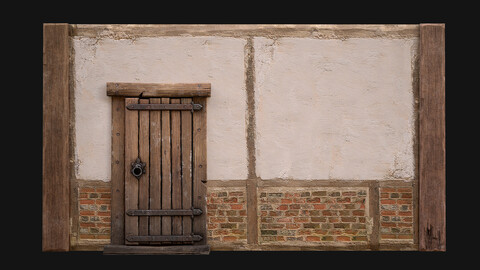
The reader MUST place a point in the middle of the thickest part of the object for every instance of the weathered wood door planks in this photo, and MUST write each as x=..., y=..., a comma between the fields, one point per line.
x=166, y=204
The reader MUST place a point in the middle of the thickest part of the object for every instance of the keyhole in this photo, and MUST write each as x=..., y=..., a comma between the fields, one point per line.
x=137, y=171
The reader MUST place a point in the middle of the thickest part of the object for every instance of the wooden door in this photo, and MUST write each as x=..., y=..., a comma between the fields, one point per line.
x=165, y=165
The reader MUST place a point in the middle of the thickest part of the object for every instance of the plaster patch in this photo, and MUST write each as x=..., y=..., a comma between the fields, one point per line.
x=334, y=109
x=219, y=61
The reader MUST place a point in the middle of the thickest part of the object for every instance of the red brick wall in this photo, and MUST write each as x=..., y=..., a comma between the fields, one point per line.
x=297, y=216
x=396, y=213
x=94, y=212
x=313, y=215
x=227, y=215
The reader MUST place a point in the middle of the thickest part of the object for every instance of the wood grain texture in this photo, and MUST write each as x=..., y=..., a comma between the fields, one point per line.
x=148, y=90
x=118, y=171
x=200, y=168
x=176, y=167
x=131, y=182
x=166, y=170
x=186, y=144
x=55, y=149
x=432, y=178
x=155, y=167
x=144, y=154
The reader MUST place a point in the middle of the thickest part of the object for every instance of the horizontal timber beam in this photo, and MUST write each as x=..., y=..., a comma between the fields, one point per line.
x=152, y=90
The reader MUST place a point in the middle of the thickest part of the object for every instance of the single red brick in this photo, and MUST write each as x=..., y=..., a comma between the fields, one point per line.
x=359, y=238
x=407, y=219
x=86, y=201
x=406, y=201
x=103, y=190
x=105, y=201
x=389, y=224
x=320, y=231
x=405, y=236
x=105, y=195
x=358, y=212
x=405, y=213
x=300, y=219
x=83, y=196
x=312, y=238
x=290, y=213
x=236, y=206
x=286, y=200
x=87, y=213
x=103, y=225
x=218, y=219
x=387, y=201
x=87, y=236
x=406, y=195
x=86, y=225
x=329, y=213
x=284, y=220
x=313, y=200
x=282, y=207
x=403, y=190
x=388, y=189
x=103, y=214
x=274, y=213
x=293, y=226
x=388, y=213
x=242, y=213
x=349, y=219
x=384, y=195
x=320, y=206
x=388, y=236
x=333, y=219
x=405, y=224
x=341, y=238
x=229, y=238
x=87, y=189
x=235, y=219
x=343, y=200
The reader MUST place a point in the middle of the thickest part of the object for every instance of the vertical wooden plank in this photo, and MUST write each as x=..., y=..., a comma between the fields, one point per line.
x=432, y=179
x=200, y=169
x=55, y=150
x=131, y=154
x=176, y=168
x=144, y=154
x=118, y=171
x=166, y=170
x=155, y=167
x=186, y=145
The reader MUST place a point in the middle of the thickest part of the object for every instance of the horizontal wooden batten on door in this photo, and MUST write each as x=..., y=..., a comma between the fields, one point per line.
x=148, y=90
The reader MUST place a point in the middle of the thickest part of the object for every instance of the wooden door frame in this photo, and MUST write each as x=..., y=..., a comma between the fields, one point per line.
x=119, y=91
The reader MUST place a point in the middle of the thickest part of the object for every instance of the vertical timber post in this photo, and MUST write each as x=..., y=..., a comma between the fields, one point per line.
x=432, y=178
x=55, y=148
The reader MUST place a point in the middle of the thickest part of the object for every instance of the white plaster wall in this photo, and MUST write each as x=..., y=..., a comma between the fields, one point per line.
x=217, y=60
x=334, y=109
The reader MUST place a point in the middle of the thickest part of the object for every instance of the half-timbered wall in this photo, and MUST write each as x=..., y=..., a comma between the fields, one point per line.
x=312, y=131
